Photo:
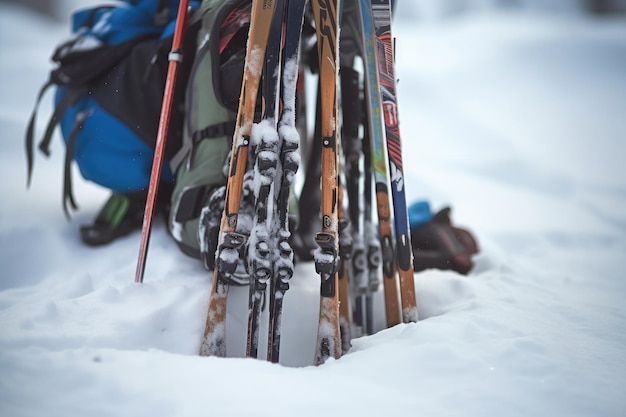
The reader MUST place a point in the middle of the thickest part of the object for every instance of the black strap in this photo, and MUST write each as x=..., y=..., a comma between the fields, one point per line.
x=68, y=195
x=212, y=131
x=68, y=99
x=30, y=133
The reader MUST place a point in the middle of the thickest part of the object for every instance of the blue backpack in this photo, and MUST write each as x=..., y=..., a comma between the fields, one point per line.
x=109, y=79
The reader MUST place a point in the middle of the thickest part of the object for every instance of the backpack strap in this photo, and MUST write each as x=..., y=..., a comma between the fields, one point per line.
x=30, y=132
x=69, y=99
x=213, y=131
x=209, y=132
x=68, y=195
x=73, y=94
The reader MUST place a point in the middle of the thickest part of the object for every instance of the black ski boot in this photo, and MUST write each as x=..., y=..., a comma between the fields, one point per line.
x=121, y=214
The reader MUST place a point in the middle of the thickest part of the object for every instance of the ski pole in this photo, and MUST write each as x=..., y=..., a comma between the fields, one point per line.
x=175, y=57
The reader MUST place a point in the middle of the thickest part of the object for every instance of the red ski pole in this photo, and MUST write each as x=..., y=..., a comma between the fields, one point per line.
x=175, y=57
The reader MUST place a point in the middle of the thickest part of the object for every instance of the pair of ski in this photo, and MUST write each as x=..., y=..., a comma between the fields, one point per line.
x=269, y=253
x=366, y=34
x=386, y=160
x=274, y=143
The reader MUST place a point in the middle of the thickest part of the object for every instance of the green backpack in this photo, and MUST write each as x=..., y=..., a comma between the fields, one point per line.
x=211, y=111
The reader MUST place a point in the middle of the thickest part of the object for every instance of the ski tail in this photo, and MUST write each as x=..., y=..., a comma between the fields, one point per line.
x=289, y=139
x=326, y=14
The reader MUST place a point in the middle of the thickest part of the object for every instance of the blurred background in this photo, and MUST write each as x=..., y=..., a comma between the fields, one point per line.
x=411, y=9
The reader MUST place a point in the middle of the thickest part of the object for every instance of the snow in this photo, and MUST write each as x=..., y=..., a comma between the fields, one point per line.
x=514, y=118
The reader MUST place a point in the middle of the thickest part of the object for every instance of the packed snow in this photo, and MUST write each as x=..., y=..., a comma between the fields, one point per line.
x=516, y=119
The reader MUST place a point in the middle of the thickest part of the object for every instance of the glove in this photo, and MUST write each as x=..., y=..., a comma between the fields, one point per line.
x=438, y=244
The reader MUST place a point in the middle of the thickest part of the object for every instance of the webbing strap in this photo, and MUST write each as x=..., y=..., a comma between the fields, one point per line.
x=212, y=131
x=30, y=133
x=68, y=99
x=68, y=195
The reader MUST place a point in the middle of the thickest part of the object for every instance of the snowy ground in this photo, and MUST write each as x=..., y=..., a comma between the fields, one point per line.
x=517, y=120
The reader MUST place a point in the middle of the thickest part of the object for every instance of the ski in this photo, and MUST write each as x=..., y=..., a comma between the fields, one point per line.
x=345, y=256
x=352, y=257
x=230, y=240
x=373, y=251
x=381, y=14
x=310, y=194
x=364, y=274
x=379, y=165
x=328, y=344
x=289, y=142
x=265, y=144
